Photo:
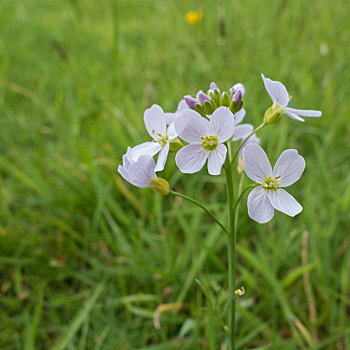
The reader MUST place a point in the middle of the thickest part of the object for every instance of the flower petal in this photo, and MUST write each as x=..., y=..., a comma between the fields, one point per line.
x=294, y=116
x=239, y=115
x=284, y=202
x=170, y=117
x=171, y=132
x=303, y=112
x=122, y=171
x=239, y=87
x=259, y=206
x=150, y=148
x=162, y=156
x=155, y=121
x=216, y=160
x=141, y=173
x=190, y=126
x=289, y=166
x=276, y=90
x=181, y=106
x=222, y=124
x=191, y=158
x=242, y=131
x=255, y=163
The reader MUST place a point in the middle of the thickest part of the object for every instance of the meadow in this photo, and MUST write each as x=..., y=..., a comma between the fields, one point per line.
x=86, y=258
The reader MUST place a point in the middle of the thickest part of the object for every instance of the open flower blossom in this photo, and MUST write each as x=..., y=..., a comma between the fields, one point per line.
x=206, y=140
x=269, y=194
x=155, y=122
x=281, y=98
x=141, y=173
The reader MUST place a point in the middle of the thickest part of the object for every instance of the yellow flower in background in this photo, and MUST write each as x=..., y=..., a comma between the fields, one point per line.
x=194, y=17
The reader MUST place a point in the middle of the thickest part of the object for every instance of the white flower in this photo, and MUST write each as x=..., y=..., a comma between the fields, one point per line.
x=269, y=195
x=170, y=117
x=155, y=122
x=280, y=99
x=206, y=140
x=139, y=173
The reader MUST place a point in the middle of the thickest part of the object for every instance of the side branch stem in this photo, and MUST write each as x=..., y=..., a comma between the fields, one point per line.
x=201, y=206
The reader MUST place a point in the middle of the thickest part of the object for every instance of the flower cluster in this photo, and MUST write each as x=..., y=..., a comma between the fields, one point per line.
x=208, y=123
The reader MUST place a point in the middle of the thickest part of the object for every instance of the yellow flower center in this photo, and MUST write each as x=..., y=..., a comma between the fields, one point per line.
x=271, y=183
x=162, y=140
x=209, y=143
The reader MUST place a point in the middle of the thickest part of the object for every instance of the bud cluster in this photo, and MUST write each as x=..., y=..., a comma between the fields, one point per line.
x=207, y=103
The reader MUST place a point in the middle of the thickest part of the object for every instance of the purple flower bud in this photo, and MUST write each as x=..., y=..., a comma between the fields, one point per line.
x=213, y=86
x=238, y=87
x=237, y=97
x=191, y=102
x=203, y=97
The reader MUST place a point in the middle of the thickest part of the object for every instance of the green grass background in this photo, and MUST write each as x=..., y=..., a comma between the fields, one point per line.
x=85, y=258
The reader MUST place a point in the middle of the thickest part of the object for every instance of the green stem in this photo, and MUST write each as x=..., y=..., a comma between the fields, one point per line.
x=201, y=206
x=246, y=139
x=231, y=252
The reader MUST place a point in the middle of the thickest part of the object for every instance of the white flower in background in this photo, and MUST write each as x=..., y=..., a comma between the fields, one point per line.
x=280, y=99
x=269, y=195
x=206, y=140
x=155, y=122
x=170, y=117
x=141, y=173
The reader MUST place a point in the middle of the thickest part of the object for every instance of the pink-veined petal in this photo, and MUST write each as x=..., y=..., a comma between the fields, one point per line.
x=303, y=112
x=150, y=148
x=276, y=90
x=255, y=163
x=242, y=131
x=216, y=160
x=222, y=124
x=155, y=121
x=259, y=206
x=284, y=202
x=289, y=166
x=190, y=126
x=141, y=173
x=162, y=156
x=191, y=158
x=239, y=115
x=171, y=132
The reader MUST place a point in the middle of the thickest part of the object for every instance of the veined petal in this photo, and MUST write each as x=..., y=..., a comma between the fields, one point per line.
x=170, y=117
x=259, y=206
x=190, y=126
x=162, y=156
x=276, y=90
x=222, y=124
x=284, y=202
x=242, y=131
x=171, y=132
x=289, y=166
x=303, y=112
x=181, y=106
x=141, y=173
x=122, y=171
x=191, y=158
x=150, y=148
x=216, y=160
x=239, y=115
x=155, y=121
x=255, y=163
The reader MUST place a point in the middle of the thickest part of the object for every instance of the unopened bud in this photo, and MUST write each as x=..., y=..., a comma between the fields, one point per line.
x=237, y=97
x=208, y=108
x=191, y=102
x=159, y=185
x=213, y=86
x=175, y=145
x=225, y=99
x=203, y=97
x=273, y=115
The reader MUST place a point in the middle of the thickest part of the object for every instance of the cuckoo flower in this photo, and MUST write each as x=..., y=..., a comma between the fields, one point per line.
x=141, y=173
x=269, y=194
x=206, y=140
x=155, y=122
x=280, y=99
x=170, y=117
